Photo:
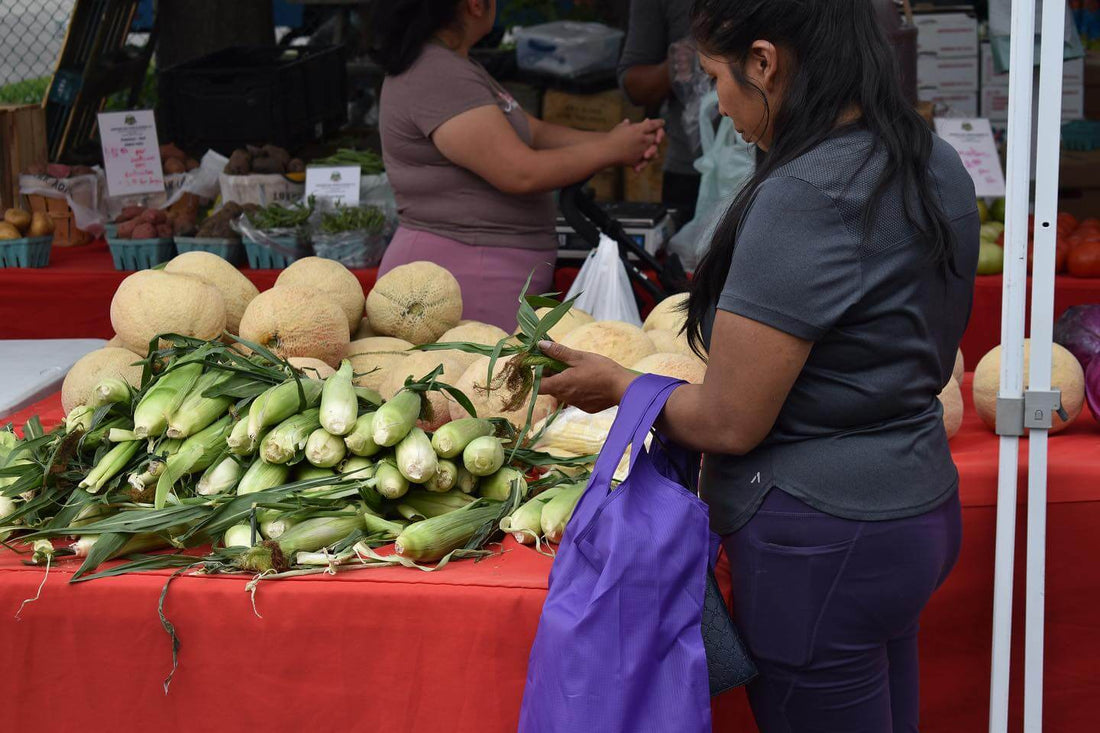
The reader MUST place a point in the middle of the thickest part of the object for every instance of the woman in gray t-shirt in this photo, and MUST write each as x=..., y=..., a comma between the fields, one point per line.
x=833, y=299
x=471, y=171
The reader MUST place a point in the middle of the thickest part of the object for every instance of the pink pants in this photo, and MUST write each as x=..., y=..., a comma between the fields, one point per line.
x=491, y=277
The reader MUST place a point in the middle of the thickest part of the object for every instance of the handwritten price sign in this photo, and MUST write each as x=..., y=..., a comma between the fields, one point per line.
x=131, y=152
x=973, y=141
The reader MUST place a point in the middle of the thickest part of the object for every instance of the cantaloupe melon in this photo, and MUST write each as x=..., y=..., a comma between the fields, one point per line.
x=94, y=367
x=1066, y=375
x=679, y=366
x=371, y=358
x=151, y=302
x=312, y=368
x=295, y=321
x=573, y=319
x=960, y=367
x=621, y=342
x=474, y=332
x=417, y=365
x=952, y=400
x=364, y=330
x=491, y=402
x=417, y=302
x=331, y=278
x=236, y=289
x=667, y=315
x=670, y=342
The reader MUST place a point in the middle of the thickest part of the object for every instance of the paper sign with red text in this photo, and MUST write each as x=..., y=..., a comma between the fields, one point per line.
x=973, y=141
x=131, y=152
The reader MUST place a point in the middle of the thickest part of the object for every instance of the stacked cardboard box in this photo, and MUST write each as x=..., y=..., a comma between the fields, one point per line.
x=995, y=90
x=947, y=60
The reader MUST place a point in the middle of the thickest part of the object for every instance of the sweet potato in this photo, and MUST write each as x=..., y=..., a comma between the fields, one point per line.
x=164, y=230
x=144, y=231
x=171, y=151
x=254, y=150
x=153, y=216
x=191, y=164
x=126, y=229
x=36, y=169
x=268, y=164
x=279, y=154
x=174, y=165
x=82, y=170
x=130, y=212
x=240, y=163
x=58, y=170
x=296, y=166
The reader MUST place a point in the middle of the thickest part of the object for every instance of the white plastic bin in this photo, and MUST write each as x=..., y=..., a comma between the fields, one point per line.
x=567, y=48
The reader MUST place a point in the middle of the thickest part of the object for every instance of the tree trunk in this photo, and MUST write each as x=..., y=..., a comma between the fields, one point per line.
x=192, y=28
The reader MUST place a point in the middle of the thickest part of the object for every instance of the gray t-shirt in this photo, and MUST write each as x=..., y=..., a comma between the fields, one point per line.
x=654, y=25
x=860, y=435
x=435, y=195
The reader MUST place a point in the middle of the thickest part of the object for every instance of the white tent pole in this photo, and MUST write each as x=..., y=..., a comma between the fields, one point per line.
x=1042, y=325
x=1013, y=307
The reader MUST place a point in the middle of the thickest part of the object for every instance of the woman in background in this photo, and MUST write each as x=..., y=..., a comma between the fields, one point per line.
x=471, y=171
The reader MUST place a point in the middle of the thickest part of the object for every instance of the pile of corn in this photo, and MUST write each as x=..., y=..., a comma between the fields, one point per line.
x=273, y=469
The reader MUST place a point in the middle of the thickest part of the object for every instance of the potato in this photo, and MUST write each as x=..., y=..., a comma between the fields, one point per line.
x=191, y=164
x=41, y=225
x=277, y=153
x=144, y=231
x=183, y=226
x=296, y=166
x=254, y=151
x=174, y=165
x=240, y=163
x=8, y=231
x=171, y=151
x=18, y=219
x=36, y=169
x=268, y=164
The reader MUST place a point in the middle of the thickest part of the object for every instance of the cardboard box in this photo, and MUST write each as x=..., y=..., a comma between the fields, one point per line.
x=1092, y=85
x=947, y=74
x=22, y=143
x=598, y=113
x=994, y=104
x=1073, y=70
x=645, y=187
x=947, y=33
x=961, y=104
x=1079, y=183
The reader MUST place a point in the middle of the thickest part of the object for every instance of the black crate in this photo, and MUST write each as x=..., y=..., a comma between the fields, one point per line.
x=245, y=95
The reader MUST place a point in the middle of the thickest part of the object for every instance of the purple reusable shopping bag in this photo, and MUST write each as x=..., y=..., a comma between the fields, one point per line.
x=619, y=647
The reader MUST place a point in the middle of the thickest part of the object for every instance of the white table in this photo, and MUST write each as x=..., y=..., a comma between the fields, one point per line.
x=33, y=369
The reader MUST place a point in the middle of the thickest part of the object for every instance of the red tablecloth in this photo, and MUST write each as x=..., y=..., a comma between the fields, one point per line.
x=401, y=650
x=984, y=331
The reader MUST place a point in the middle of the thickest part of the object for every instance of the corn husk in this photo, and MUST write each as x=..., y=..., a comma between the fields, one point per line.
x=396, y=418
x=420, y=504
x=466, y=481
x=261, y=476
x=525, y=523
x=196, y=454
x=281, y=402
x=415, y=458
x=360, y=441
x=277, y=526
x=196, y=411
x=451, y=439
x=483, y=456
x=498, y=487
x=110, y=465
x=221, y=477
x=109, y=391
x=557, y=512
x=432, y=539
x=323, y=449
x=79, y=419
x=287, y=441
x=163, y=399
x=239, y=535
x=339, y=403
x=445, y=477
x=388, y=481
x=308, y=535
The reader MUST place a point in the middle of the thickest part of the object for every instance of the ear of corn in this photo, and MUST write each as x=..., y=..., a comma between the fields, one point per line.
x=261, y=476
x=110, y=390
x=143, y=542
x=525, y=524
x=451, y=439
x=281, y=402
x=483, y=456
x=466, y=481
x=376, y=525
x=103, y=433
x=498, y=487
x=339, y=403
x=161, y=452
x=239, y=535
x=323, y=449
x=222, y=476
x=557, y=512
x=196, y=454
x=432, y=539
x=396, y=418
x=277, y=526
x=163, y=398
x=120, y=435
x=415, y=458
x=360, y=441
x=427, y=504
x=110, y=465
x=388, y=481
x=308, y=535
x=357, y=467
x=368, y=395
x=79, y=419
x=445, y=477
x=195, y=412
x=308, y=472
x=239, y=442
x=287, y=440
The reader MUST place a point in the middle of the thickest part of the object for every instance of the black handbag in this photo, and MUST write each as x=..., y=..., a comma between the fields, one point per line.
x=728, y=662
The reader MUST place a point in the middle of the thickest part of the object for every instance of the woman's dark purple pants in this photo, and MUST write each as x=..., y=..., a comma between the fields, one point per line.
x=830, y=607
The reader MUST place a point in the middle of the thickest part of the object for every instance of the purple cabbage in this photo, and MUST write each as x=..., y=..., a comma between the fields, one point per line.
x=1092, y=388
x=1079, y=331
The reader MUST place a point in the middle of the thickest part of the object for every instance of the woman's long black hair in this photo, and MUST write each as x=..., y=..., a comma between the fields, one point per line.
x=399, y=29
x=842, y=61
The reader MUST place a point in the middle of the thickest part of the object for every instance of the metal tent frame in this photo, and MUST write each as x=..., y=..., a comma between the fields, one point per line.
x=1029, y=411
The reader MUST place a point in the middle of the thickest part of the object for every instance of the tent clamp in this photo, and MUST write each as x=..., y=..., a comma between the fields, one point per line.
x=1034, y=411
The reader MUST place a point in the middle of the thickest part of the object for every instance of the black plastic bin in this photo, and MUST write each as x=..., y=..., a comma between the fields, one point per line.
x=248, y=95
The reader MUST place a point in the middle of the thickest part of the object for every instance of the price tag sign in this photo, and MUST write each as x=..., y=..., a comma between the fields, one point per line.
x=334, y=185
x=131, y=152
x=973, y=141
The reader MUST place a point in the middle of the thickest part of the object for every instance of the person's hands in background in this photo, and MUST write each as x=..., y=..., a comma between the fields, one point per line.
x=636, y=143
x=683, y=67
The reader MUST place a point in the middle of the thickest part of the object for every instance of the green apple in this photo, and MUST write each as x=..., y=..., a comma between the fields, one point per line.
x=983, y=211
x=991, y=259
x=990, y=231
x=998, y=210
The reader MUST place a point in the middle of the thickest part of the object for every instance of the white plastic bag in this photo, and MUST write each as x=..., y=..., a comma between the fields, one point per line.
x=80, y=192
x=202, y=181
x=603, y=288
x=726, y=163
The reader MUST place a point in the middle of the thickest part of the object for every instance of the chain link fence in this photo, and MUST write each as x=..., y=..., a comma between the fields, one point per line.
x=31, y=34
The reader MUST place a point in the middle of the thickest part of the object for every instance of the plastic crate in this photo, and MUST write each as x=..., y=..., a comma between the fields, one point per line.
x=110, y=230
x=567, y=48
x=141, y=254
x=26, y=252
x=248, y=95
x=263, y=257
x=230, y=250
x=1083, y=135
